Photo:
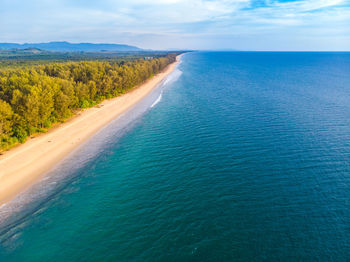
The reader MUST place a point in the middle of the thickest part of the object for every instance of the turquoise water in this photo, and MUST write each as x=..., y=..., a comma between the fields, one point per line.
x=240, y=157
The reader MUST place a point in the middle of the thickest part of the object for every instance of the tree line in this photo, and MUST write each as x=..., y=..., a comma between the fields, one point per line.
x=34, y=98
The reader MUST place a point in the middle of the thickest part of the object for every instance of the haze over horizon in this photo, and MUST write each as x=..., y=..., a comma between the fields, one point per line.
x=272, y=25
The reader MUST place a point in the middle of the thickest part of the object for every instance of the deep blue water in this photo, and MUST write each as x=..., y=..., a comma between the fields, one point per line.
x=246, y=157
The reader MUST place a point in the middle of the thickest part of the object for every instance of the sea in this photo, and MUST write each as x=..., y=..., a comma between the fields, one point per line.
x=236, y=156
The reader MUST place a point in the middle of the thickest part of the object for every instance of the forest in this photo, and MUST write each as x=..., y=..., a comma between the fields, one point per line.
x=34, y=97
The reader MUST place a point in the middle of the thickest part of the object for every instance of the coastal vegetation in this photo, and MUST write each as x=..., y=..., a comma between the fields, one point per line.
x=35, y=96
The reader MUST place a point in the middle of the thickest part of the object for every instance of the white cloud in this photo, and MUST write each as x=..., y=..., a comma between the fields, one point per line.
x=172, y=23
x=309, y=5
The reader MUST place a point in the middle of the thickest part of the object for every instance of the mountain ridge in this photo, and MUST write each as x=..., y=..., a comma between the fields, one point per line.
x=71, y=47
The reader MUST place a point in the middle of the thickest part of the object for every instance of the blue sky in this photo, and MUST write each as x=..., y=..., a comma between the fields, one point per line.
x=186, y=24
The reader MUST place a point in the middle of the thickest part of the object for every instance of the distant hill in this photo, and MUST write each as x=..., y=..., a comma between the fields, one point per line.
x=70, y=47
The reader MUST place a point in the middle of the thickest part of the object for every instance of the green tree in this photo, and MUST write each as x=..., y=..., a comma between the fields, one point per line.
x=5, y=118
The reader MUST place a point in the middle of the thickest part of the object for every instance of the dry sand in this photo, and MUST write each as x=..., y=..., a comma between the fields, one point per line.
x=22, y=166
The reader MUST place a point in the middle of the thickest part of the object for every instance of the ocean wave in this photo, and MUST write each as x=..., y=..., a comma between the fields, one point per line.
x=173, y=77
x=157, y=101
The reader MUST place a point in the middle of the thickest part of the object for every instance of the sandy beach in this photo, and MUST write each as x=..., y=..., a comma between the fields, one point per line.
x=24, y=165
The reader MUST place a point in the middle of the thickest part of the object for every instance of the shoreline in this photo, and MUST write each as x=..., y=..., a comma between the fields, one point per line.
x=23, y=165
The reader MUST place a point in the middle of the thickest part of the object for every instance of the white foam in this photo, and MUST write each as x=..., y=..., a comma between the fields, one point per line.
x=157, y=101
x=168, y=80
x=173, y=76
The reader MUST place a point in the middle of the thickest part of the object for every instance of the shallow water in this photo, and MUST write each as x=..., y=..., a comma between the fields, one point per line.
x=242, y=157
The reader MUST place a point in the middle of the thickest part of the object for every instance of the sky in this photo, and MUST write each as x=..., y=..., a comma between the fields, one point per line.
x=273, y=25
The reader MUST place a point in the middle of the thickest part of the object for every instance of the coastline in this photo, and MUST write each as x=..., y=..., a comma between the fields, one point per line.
x=23, y=165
